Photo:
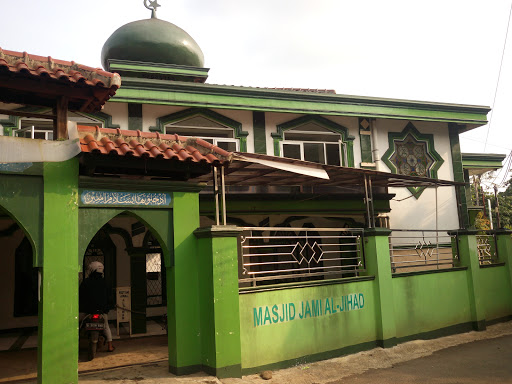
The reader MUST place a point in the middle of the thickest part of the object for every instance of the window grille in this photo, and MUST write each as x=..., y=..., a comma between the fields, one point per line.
x=277, y=255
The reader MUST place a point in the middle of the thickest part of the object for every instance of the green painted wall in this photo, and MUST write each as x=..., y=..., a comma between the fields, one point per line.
x=430, y=302
x=396, y=308
x=183, y=288
x=497, y=294
x=284, y=341
x=58, y=309
x=218, y=286
x=22, y=198
x=159, y=221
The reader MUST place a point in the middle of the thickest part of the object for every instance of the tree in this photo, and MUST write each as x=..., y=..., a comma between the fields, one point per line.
x=505, y=203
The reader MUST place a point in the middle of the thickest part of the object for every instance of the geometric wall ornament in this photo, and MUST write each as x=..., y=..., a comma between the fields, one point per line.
x=412, y=153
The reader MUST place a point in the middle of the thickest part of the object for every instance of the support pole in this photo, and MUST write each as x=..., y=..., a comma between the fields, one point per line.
x=216, y=193
x=437, y=229
x=498, y=222
x=490, y=213
x=372, y=210
x=459, y=207
x=223, y=187
x=60, y=124
x=367, y=202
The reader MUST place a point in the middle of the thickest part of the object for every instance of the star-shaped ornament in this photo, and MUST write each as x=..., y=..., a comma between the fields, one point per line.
x=153, y=4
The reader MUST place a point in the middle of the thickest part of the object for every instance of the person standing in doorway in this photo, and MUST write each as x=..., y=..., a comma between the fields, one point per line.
x=96, y=296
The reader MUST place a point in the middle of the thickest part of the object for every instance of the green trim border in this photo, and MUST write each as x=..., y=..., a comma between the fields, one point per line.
x=304, y=284
x=427, y=138
x=241, y=135
x=347, y=139
x=105, y=118
x=429, y=272
x=502, y=264
x=189, y=94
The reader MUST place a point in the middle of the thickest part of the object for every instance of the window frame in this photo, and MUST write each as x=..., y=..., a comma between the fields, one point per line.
x=215, y=140
x=342, y=148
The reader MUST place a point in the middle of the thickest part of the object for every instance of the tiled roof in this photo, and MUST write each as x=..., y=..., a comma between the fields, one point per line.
x=117, y=142
x=309, y=90
x=46, y=70
x=306, y=90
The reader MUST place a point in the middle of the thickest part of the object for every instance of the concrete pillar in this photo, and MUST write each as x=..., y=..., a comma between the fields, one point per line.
x=378, y=264
x=468, y=257
x=184, y=333
x=58, y=305
x=220, y=313
x=504, y=248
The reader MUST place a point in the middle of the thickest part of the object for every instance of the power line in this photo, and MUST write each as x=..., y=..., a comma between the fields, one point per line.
x=499, y=76
x=507, y=165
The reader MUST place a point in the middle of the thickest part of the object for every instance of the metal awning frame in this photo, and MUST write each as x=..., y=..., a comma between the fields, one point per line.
x=249, y=169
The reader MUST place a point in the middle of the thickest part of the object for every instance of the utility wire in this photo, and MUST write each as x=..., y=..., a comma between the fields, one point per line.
x=508, y=165
x=499, y=76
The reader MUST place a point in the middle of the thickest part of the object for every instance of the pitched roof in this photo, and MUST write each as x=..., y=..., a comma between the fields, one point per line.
x=41, y=79
x=309, y=90
x=117, y=142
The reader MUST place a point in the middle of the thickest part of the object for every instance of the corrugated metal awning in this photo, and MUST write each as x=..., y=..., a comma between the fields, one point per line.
x=250, y=169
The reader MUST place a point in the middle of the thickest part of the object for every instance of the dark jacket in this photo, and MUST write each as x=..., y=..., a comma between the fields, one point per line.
x=95, y=295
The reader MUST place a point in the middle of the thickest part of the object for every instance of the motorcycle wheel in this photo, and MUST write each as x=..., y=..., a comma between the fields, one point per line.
x=92, y=350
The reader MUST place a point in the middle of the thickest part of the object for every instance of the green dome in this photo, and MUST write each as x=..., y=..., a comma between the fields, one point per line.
x=154, y=41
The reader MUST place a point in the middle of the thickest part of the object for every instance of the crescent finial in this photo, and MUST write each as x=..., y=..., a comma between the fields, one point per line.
x=153, y=5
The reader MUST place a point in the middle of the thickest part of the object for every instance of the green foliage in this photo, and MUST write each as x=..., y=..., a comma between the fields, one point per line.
x=482, y=222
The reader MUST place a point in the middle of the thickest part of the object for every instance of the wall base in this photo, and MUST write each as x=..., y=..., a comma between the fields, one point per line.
x=446, y=331
x=221, y=373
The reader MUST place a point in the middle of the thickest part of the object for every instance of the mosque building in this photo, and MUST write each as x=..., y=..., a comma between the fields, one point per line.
x=267, y=226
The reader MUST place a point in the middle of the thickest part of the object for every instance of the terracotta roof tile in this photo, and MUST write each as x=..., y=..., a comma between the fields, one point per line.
x=308, y=90
x=117, y=142
x=21, y=64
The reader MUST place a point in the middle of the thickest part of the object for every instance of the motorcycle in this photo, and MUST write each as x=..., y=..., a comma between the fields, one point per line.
x=93, y=325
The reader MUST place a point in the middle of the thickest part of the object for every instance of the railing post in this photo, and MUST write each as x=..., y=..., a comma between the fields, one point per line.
x=378, y=263
x=468, y=257
x=218, y=299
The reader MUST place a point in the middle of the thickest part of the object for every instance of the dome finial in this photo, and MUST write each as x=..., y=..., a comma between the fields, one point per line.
x=153, y=5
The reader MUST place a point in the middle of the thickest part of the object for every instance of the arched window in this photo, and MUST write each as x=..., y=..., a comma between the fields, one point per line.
x=211, y=131
x=315, y=139
x=41, y=128
x=206, y=124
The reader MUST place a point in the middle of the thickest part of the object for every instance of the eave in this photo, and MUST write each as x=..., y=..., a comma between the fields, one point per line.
x=150, y=91
x=479, y=163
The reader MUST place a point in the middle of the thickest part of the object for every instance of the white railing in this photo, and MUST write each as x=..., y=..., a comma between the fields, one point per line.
x=282, y=254
x=417, y=250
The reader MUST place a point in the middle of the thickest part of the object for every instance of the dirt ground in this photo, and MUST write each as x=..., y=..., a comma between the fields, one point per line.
x=377, y=365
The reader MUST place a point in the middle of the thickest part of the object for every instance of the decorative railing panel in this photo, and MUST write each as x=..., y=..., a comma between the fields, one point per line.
x=487, y=249
x=282, y=254
x=418, y=250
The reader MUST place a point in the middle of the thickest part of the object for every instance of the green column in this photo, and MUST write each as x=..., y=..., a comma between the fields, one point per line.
x=58, y=305
x=220, y=314
x=504, y=245
x=468, y=257
x=458, y=173
x=258, y=124
x=183, y=288
x=378, y=263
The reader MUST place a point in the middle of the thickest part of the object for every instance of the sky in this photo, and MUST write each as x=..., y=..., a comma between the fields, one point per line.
x=441, y=50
